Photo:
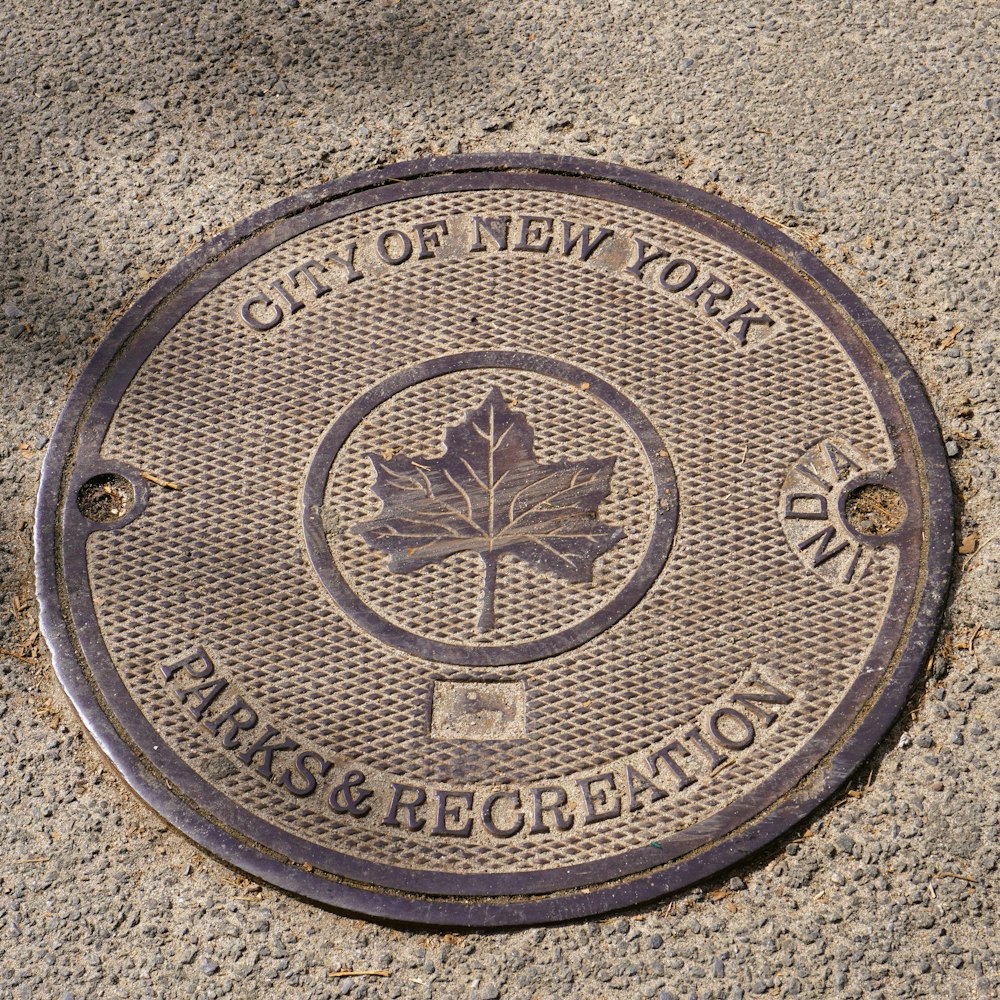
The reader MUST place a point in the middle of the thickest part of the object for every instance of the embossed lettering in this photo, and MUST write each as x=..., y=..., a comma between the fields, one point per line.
x=678, y=284
x=754, y=699
x=293, y=303
x=843, y=465
x=638, y=784
x=199, y=658
x=309, y=784
x=582, y=239
x=707, y=750
x=556, y=808
x=419, y=797
x=382, y=246
x=427, y=238
x=683, y=778
x=351, y=795
x=252, y=321
x=347, y=263
x=823, y=551
x=811, y=473
x=231, y=716
x=263, y=745
x=731, y=742
x=536, y=233
x=448, y=814
x=305, y=270
x=491, y=825
x=643, y=257
x=705, y=288
x=210, y=691
x=496, y=229
x=600, y=803
x=803, y=513
x=853, y=566
x=746, y=320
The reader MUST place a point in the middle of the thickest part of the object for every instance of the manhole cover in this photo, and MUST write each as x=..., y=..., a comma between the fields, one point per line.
x=488, y=541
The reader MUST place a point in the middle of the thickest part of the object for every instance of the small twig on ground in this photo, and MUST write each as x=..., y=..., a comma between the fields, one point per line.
x=971, y=644
x=964, y=878
x=156, y=481
x=344, y=973
x=979, y=548
x=16, y=656
x=949, y=338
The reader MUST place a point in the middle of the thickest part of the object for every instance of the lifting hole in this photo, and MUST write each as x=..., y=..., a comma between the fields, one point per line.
x=875, y=509
x=106, y=498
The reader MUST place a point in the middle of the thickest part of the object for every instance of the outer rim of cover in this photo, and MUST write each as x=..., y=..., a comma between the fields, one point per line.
x=870, y=727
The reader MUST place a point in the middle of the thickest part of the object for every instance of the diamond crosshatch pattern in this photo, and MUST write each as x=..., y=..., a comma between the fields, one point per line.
x=248, y=594
x=710, y=584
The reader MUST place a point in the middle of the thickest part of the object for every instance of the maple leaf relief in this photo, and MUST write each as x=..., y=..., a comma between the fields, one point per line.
x=488, y=495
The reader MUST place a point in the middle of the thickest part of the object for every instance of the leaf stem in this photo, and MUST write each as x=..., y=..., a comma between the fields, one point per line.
x=487, y=619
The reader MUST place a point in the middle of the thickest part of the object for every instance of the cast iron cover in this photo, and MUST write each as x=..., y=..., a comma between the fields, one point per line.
x=492, y=540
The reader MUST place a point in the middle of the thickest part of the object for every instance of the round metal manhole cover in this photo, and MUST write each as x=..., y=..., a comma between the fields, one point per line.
x=487, y=541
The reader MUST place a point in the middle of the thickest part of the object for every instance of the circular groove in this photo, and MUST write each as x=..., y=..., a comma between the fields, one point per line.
x=239, y=813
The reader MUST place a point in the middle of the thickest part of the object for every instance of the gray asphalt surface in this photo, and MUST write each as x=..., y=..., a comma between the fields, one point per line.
x=132, y=132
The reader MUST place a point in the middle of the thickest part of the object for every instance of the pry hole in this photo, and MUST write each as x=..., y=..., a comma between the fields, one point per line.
x=106, y=498
x=874, y=509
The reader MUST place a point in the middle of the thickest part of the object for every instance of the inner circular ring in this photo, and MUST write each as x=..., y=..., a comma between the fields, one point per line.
x=657, y=551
